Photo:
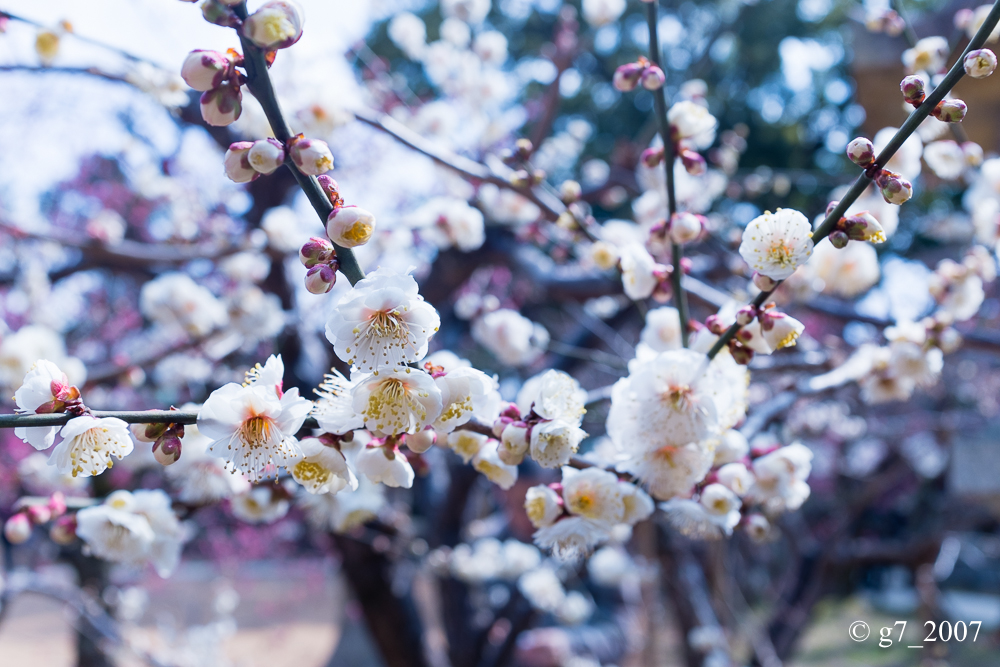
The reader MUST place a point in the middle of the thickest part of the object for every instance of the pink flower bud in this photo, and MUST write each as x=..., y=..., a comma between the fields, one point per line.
x=627, y=76
x=17, y=530
x=266, y=155
x=913, y=87
x=861, y=151
x=315, y=251
x=205, y=70
x=764, y=283
x=652, y=157
x=311, y=156
x=222, y=106
x=237, y=163
x=838, y=239
x=218, y=13
x=685, y=228
x=38, y=514
x=980, y=63
x=693, y=162
x=895, y=189
x=167, y=450
x=57, y=504
x=715, y=325
x=350, y=226
x=329, y=186
x=832, y=205
x=63, y=531
x=950, y=111
x=320, y=279
x=652, y=78
x=276, y=25
x=745, y=315
x=863, y=227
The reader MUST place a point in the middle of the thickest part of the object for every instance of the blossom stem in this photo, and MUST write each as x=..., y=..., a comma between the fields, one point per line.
x=259, y=83
x=918, y=115
x=660, y=102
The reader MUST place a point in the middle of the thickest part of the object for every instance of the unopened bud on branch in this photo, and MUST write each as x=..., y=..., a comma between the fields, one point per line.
x=311, y=156
x=895, y=189
x=693, y=162
x=276, y=25
x=205, y=70
x=626, y=77
x=913, y=88
x=685, y=227
x=237, y=162
x=17, y=530
x=652, y=78
x=350, y=226
x=950, y=111
x=315, y=251
x=222, y=106
x=266, y=155
x=980, y=63
x=861, y=151
x=320, y=279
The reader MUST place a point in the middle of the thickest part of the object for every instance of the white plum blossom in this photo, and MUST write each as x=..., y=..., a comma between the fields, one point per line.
x=397, y=402
x=553, y=395
x=542, y=506
x=114, y=533
x=409, y=33
x=667, y=401
x=382, y=322
x=845, y=272
x=512, y=338
x=384, y=465
x=259, y=505
x=334, y=408
x=609, y=566
x=946, y=159
x=736, y=477
x=691, y=518
x=692, y=121
x=155, y=506
x=89, y=445
x=542, y=588
x=176, y=300
x=781, y=478
x=930, y=54
x=275, y=25
x=447, y=222
x=19, y=351
x=253, y=426
x=723, y=506
x=491, y=47
x=775, y=244
x=732, y=447
x=662, y=331
x=44, y=388
x=602, y=12
x=670, y=470
x=554, y=441
x=638, y=271
x=465, y=392
x=466, y=443
x=472, y=12
x=322, y=468
x=487, y=461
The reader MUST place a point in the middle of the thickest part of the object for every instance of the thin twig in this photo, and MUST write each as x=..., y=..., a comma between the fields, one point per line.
x=660, y=99
x=259, y=83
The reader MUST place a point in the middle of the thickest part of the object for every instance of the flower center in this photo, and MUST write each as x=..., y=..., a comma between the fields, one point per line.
x=678, y=396
x=255, y=432
x=780, y=253
x=387, y=325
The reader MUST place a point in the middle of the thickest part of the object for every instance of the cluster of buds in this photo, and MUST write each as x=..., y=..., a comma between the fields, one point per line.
x=643, y=72
x=215, y=75
x=855, y=227
x=275, y=25
x=246, y=161
x=18, y=527
x=951, y=110
x=693, y=161
x=517, y=433
x=894, y=188
x=166, y=439
x=762, y=330
x=320, y=259
x=682, y=228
